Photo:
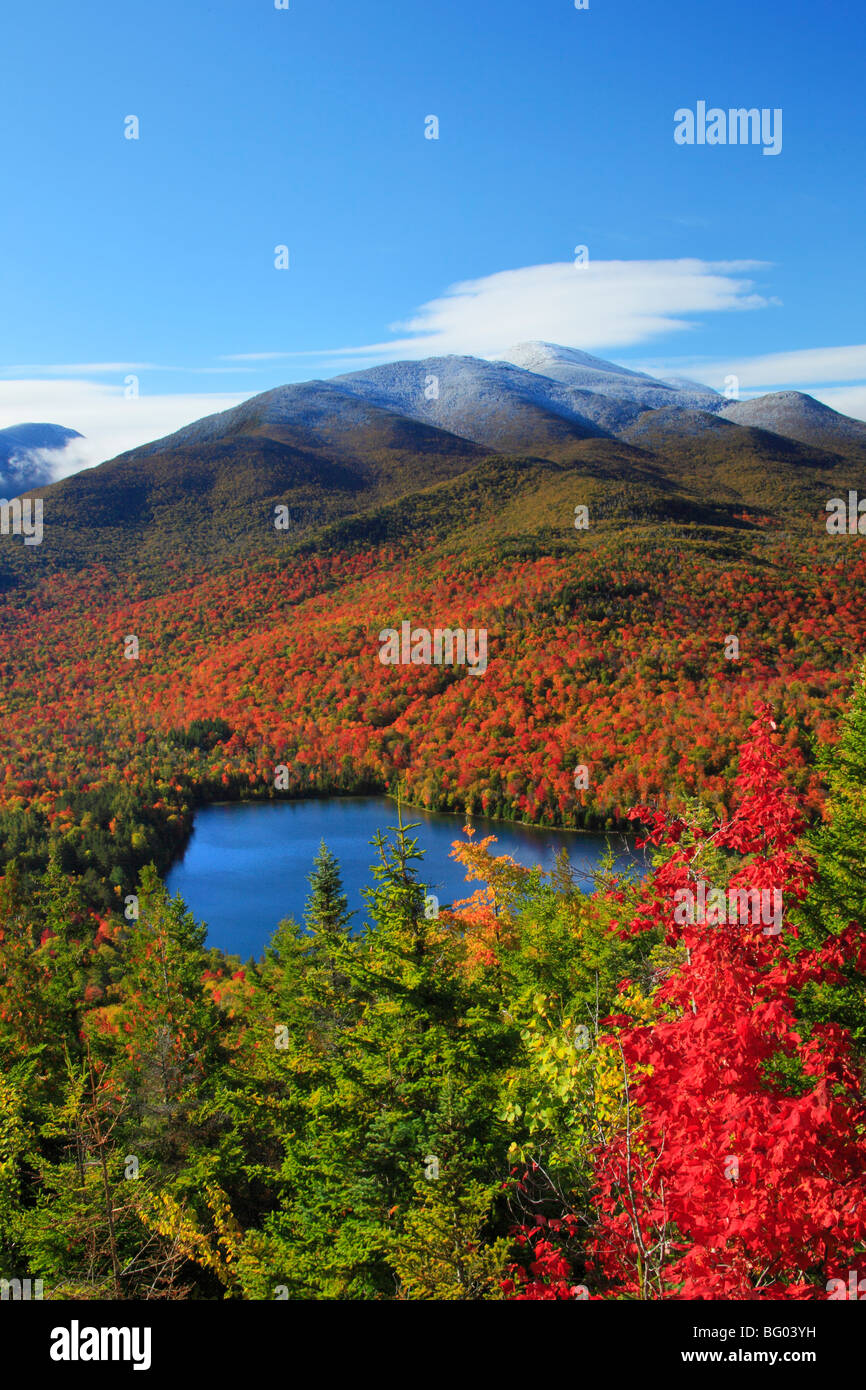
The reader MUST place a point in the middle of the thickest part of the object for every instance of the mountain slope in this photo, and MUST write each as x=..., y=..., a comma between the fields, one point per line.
x=795, y=415
x=582, y=372
x=493, y=403
x=717, y=459
x=210, y=490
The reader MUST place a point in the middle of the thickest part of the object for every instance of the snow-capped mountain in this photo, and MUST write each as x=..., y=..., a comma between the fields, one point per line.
x=410, y=446
x=539, y=400
x=583, y=372
x=496, y=404
x=796, y=415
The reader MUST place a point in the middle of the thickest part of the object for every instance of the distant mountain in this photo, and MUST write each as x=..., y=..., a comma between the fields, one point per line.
x=630, y=391
x=796, y=415
x=715, y=458
x=456, y=447
x=210, y=489
x=495, y=404
x=538, y=397
x=23, y=450
x=658, y=427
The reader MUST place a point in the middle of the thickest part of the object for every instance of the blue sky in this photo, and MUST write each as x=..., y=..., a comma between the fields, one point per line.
x=305, y=127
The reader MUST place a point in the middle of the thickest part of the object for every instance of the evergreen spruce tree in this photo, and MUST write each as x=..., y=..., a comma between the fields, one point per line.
x=839, y=844
x=838, y=895
x=443, y=1250
x=411, y=1082
x=168, y=1023
x=327, y=913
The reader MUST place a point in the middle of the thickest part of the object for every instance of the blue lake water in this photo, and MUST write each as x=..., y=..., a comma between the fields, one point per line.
x=246, y=865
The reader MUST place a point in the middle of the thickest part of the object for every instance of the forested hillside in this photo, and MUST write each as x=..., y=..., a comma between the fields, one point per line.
x=534, y=1095
x=612, y=656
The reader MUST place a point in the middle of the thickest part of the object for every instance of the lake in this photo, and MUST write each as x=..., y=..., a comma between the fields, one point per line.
x=246, y=864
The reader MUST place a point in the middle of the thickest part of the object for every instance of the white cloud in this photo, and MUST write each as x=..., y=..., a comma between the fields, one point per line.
x=850, y=400
x=599, y=305
x=820, y=372
x=110, y=423
x=776, y=370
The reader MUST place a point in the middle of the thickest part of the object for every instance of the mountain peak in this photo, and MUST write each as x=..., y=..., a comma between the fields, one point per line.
x=797, y=415
x=537, y=356
x=627, y=392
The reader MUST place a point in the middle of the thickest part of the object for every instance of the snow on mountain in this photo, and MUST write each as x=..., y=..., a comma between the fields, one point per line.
x=539, y=398
x=796, y=415
x=312, y=411
x=493, y=403
x=583, y=372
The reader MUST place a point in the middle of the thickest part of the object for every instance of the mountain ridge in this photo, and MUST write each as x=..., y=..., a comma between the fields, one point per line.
x=332, y=453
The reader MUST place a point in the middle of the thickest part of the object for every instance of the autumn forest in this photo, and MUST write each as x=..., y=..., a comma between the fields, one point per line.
x=534, y=1093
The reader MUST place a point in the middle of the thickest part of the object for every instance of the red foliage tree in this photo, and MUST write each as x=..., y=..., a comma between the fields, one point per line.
x=740, y=1169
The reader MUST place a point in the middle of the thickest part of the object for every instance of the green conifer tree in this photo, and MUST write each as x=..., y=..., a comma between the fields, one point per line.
x=839, y=844
x=411, y=1079
x=838, y=896
x=327, y=912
